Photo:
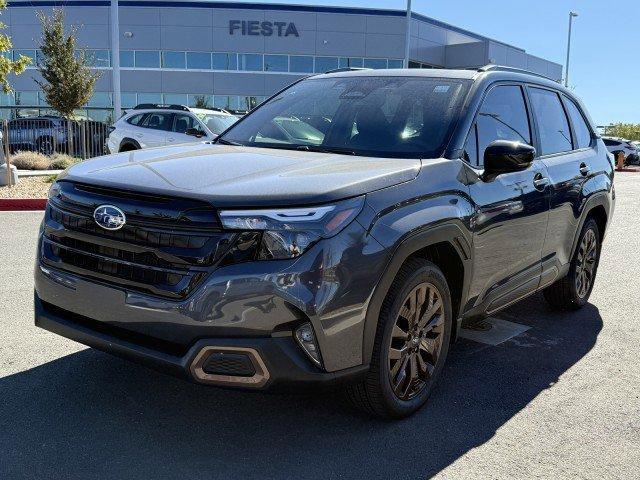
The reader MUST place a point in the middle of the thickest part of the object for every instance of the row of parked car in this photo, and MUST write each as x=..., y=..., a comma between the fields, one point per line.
x=630, y=149
x=147, y=125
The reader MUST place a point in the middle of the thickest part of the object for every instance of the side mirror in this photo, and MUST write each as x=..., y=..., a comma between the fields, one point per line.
x=503, y=156
x=194, y=132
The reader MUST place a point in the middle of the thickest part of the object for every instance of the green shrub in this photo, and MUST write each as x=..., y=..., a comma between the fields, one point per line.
x=50, y=178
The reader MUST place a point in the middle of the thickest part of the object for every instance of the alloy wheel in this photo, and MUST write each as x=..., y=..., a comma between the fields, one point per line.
x=416, y=341
x=586, y=263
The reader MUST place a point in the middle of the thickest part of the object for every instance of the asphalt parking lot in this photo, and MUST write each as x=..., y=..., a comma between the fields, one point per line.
x=560, y=400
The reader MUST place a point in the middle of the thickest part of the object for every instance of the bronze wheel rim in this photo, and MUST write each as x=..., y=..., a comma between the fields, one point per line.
x=586, y=263
x=416, y=341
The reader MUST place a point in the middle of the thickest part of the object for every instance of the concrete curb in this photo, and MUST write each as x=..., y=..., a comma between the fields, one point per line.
x=37, y=173
x=22, y=204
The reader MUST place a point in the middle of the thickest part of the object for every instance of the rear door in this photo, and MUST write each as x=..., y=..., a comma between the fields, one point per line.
x=568, y=148
x=153, y=130
x=512, y=210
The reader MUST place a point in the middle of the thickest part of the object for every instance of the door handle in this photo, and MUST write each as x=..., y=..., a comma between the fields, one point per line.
x=584, y=169
x=540, y=182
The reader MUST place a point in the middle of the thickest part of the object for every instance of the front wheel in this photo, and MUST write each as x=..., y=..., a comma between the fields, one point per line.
x=411, y=345
x=572, y=292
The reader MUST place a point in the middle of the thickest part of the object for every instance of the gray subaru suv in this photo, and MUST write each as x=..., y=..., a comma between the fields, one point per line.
x=339, y=234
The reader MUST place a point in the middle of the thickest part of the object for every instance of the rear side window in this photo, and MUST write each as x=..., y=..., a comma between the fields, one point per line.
x=135, y=119
x=555, y=135
x=158, y=121
x=503, y=116
x=610, y=143
x=580, y=128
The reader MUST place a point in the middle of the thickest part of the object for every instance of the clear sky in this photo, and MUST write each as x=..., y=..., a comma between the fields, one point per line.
x=605, y=51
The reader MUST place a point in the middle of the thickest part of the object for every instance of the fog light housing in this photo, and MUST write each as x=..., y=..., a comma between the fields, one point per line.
x=306, y=338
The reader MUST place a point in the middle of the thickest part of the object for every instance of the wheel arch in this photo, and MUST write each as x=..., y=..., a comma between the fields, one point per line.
x=599, y=208
x=448, y=247
x=126, y=142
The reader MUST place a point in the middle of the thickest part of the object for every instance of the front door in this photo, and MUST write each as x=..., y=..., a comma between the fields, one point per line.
x=512, y=210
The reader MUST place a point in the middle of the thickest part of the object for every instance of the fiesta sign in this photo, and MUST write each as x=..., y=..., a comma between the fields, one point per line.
x=266, y=29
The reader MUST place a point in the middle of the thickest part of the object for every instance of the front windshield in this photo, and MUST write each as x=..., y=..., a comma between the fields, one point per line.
x=371, y=116
x=217, y=123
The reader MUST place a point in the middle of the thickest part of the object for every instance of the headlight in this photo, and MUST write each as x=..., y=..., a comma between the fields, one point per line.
x=288, y=232
x=54, y=190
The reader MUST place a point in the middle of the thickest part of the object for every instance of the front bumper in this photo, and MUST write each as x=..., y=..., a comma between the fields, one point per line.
x=283, y=365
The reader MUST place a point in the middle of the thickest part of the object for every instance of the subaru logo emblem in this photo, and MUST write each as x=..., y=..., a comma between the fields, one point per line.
x=109, y=217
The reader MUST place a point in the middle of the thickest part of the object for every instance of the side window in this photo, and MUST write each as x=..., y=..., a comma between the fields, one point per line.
x=555, y=135
x=610, y=143
x=158, y=121
x=580, y=128
x=184, y=122
x=135, y=120
x=503, y=116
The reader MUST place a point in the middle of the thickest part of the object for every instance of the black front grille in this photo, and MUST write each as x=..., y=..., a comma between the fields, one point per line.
x=166, y=247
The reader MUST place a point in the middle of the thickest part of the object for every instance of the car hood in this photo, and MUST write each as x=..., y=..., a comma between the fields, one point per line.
x=244, y=176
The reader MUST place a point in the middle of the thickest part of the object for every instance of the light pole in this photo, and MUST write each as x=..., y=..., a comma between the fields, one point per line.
x=407, y=39
x=115, y=60
x=572, y=15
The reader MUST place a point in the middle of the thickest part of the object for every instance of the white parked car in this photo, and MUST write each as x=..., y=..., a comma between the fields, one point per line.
x=150, y=125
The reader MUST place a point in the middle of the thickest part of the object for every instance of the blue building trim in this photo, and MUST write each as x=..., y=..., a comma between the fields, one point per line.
x=259, y=6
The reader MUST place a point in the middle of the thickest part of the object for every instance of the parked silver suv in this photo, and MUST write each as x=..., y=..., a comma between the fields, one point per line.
x=150, y=125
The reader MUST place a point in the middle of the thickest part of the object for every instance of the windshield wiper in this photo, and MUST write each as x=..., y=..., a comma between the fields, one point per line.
x=321, y=149
x=226, y=142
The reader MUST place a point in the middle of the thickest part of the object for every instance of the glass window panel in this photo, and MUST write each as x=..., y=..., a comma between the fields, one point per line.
x=250, y=62
x=582, y=131
x=503, y=116
x=276, y=63
x=26, y=98
x=42, y=100
x=324, y=64
x=200, y=101
x=149, y=98
x=356, y=62
x=25, y=53
x=175, y=99
x=375, y=63
x=158, y=121
x=7, y=99
x=147, y=59
x=221, y=101
x=127, y=59
x=234, y=103
x=233, y=61
x=100, y=115
x=394, y=63
x=413, y=64
x=553, y=126
x=173, y=60
x=199, y=60
x=98, y=58
x=128, y=100
x=343, y=62
x=300, y=64
x=100, y=99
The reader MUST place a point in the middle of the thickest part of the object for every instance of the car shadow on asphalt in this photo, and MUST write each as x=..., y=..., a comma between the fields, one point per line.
x=89, y=415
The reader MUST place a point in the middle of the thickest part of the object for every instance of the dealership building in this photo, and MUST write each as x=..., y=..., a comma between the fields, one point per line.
x=233, y=55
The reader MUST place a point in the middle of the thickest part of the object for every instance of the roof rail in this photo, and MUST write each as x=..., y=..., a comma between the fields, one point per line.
x=502, y=68
x=146, y=106
x=346, y=69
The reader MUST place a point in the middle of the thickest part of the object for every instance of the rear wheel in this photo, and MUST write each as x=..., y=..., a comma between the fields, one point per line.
x=572, y=292
x=411, y=343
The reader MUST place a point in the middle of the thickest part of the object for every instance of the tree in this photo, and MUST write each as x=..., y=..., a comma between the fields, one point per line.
x=630, y=131
x=67, y=79
x=8, y=66
x=201, y=102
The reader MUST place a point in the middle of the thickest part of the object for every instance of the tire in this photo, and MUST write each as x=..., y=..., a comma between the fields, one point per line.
x=570, y=292
x=426, y=353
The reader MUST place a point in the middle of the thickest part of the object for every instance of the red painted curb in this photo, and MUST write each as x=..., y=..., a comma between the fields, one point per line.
x=9, y=204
